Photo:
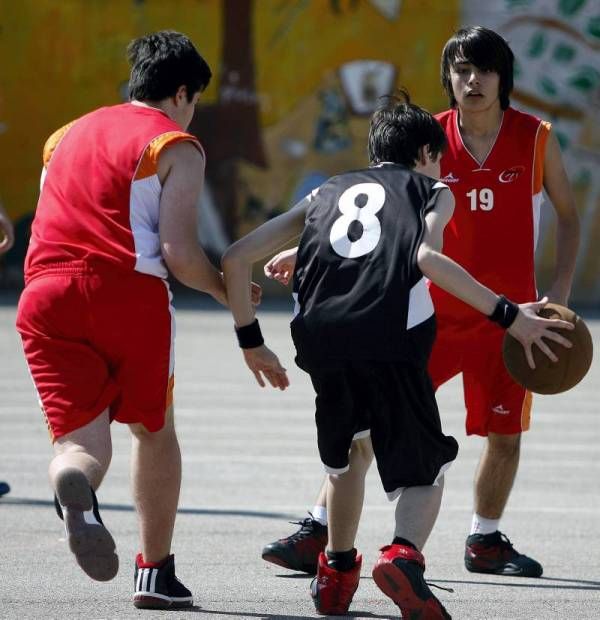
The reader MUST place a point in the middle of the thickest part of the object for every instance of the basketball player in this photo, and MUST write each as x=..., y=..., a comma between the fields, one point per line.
x=363, y=330
x=497, y=163
x=117, y=207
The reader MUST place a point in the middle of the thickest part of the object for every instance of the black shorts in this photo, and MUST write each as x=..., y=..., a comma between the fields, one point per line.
x=395, y=403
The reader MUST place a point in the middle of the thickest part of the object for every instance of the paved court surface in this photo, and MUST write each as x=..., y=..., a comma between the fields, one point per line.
x=250, y=465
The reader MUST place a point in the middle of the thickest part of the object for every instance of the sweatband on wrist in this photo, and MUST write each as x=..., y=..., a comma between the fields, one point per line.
x=250, y=336
x=504, y=313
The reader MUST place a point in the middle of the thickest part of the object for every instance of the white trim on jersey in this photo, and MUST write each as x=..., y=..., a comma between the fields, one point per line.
x=482, y=163
x=420, y=305
x=536, y=204
x=144, y=206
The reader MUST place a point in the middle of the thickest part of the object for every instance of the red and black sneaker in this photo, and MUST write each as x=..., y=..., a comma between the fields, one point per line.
x=301, y=550
x=494, y=553
x=398, y=573
x=332, y=590
x=157, y=587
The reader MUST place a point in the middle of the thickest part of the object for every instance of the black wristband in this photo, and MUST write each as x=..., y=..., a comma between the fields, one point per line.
x=250, y=336
x=504, y=313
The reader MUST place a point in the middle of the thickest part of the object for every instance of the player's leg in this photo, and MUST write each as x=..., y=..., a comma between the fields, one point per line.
x=416, y=512
x=412, y=453
x=345, y=496
x=75, y=390
x=81, y=460
x=156, y=481
x=494, y=478
x=87, y=449
x=341, y=421
x=499, y=408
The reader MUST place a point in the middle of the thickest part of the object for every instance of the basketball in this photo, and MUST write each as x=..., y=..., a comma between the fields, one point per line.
x=550, y=377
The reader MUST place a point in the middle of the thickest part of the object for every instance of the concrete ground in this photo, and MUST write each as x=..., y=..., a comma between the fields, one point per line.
x=250, y=465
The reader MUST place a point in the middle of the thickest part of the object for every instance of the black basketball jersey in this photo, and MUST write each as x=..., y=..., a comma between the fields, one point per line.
x=359, y=291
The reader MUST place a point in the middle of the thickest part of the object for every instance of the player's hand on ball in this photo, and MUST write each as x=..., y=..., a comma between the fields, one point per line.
x=265, y=365
x=529, y=329
x=281, y=266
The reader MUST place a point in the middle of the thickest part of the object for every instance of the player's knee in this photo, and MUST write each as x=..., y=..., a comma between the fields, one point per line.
x=505, y=446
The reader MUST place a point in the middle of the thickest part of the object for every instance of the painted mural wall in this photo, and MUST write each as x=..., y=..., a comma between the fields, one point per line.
x=294, y=83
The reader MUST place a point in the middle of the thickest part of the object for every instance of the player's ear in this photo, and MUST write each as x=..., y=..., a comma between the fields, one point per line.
x=422, y=155
x=181, y=95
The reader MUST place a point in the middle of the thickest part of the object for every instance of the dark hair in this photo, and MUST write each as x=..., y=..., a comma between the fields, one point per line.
x=399, y=129
x=163, y=61
x=485, y=49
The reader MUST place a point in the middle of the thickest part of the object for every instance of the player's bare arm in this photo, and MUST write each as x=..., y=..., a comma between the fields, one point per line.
x=527, y=327
x=7, y=234
x=181, y=172
x=237, y=265
x=556, y=184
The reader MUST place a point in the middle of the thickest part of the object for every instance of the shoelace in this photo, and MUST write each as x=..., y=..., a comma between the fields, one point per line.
x=505, y=542
x=435, y=585
x=306, y=528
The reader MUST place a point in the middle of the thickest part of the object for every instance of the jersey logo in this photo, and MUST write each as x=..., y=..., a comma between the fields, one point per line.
x=501, y=410
x=510, y=174
x=449, y=178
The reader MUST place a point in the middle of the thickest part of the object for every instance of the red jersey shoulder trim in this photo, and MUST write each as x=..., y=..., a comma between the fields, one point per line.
x=148, y=165
x=53, y=141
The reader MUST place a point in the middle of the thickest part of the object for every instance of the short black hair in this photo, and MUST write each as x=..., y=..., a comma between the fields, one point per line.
x=163, y=61
x=485, y=49
x=399, y=129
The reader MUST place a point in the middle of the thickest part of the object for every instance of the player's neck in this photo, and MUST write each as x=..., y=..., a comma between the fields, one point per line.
x=481, y=123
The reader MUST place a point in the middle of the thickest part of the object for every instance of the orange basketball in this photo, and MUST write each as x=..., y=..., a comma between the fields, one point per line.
x=550, y=377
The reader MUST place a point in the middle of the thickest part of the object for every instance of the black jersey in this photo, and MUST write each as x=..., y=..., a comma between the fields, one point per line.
x=359, y=291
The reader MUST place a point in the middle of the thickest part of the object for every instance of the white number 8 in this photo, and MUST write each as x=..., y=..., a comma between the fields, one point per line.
x=365, y=215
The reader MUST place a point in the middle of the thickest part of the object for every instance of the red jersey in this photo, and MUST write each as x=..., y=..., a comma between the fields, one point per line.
x=494, y=229
x=100, y=192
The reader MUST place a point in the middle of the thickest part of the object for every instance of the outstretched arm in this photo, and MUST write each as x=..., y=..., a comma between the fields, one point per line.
x=237, y=266
x=527, y=326
x=556, y=184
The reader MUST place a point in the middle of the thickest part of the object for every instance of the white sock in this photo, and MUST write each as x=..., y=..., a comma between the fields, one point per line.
x=481, y=525
x=319, y=514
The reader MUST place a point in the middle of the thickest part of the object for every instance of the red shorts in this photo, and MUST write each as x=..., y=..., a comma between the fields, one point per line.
x=97, y=338
x=494, y=402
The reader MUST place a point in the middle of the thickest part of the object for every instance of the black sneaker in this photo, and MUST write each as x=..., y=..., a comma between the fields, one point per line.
x=494, y=553
x=88, y=538
x=4, y=488
x=159, y=588
x=301, y=550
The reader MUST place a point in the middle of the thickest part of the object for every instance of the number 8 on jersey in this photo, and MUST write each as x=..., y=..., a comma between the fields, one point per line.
x=351, y=212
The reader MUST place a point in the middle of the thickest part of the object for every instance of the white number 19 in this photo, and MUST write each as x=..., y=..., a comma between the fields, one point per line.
x=482, y=199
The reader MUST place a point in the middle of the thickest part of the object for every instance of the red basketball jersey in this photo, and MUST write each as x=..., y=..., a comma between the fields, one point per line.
x=494, y=229
x=100, y=192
